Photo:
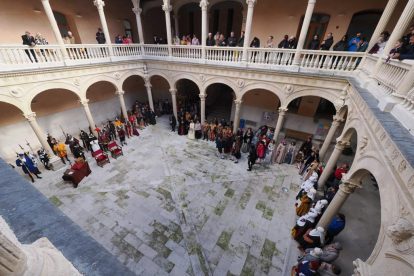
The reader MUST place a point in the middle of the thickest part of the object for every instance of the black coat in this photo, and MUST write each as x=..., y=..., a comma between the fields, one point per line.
x=283, y=44
x=210, y=41
x=341, y=46
x=314, y=44
x=28, y=40
x=293, y=44
x=100, y=37
x=173, y=121
x=252, y=155
x=231, y=42
x=327, y=45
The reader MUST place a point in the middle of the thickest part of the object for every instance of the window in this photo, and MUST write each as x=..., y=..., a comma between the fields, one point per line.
x=128, y=28
x=318, y=25
x=366, y=22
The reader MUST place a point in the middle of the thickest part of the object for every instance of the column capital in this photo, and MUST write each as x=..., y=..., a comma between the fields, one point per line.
x=99, y=3
x=252, y=2
x=341, y=144
x=238, y=103
x=137, y=10
x=337, y=120
x=84, y=102
x=120, y=93
x=312, y=2
x=204, y=4
x=167, y=8
x=203, y=97
x=348, y=186
x=173, y=92
x=282, y=110
x=148, y=84
x=31, y=117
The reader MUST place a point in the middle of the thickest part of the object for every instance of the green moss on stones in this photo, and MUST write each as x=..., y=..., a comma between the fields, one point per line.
x=211, y=192
x=220, y=207
x=165, y=193
x=261, y=206
x=268, y=213
x=268, y=248
x=229, y=193
x=244, y=199
x=122, y=194
x=224, y=239
x=177, y=236
x=143, y=193
x=55, y=201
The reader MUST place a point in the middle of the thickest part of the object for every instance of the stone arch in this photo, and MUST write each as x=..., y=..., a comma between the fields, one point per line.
x=31, y=94
x=152, y=5
x=343, y=111
x=187, y=77
x=214, y=2
x=266, y=86
x=225, y=81
x=162, y=74
x=130, y=74
x=177, y=5
x=15, y=102
x=96, y=79
x=330, y=96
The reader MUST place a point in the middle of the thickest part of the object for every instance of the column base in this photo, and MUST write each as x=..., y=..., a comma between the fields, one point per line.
x=56, y=164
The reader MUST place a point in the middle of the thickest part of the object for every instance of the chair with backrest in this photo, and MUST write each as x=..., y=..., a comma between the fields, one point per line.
x=101, y=158
x=116, y=150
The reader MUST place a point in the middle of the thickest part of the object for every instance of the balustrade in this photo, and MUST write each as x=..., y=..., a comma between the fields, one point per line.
x=391, y=74
x=272, y=56
x=187, y=52
x=225, y=54
x=331, y=61
x=369, y=64
x=156, y=50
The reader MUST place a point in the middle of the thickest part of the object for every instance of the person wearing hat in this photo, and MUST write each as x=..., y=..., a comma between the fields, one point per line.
x=311, y=255
x=27, y=165
x=121, y=134
x=306, y=268
x=44, y=158
x=251, y=158
x=336, y=227
x=303, y=224
x=312, y=238
x=117, y=123
x=306, y=201
x=331, y=252
x=329, y=270
x=60, y=149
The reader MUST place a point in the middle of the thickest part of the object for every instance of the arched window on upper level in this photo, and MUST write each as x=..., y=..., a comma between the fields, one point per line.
x=62, y=23
x=128, y=28
x=365, y=22
x=318, y=25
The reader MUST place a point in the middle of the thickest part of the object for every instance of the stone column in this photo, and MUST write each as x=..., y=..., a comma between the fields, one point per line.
x=55, y=28
x=167, y=9
x=13, y=261
x=148, y=85
x=100, y=4
x=345, y=189
x=402, y=25
x=335, y=123
x=237, y=115
x=203, y=107
x=84, y=103
x=279, y=125
x=137, y=10
x=174, y=102
x=339, y=147
x=177, y=28
x=204, y=27
x=304, y=31
x=385, y=17
x=122, y=102
x=250, y=9
x=54, y=160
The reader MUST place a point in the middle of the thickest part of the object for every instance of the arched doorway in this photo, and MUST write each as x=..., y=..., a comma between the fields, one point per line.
x=365, y=22
x=188, y=99
x=190, y=20
x=154, y=24
x=226, y=17
x=135, y=90
x=103, y=102
x=161, y=95
x=219, y=102
x=318, y=26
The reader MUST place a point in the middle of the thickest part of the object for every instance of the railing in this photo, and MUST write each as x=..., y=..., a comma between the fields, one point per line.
x=22, y=57
x=391, y=74
x=156, y=50
x=369, y=64
x=186, y=52
x=88, y=52
x=224, y=54
x=271, y=56
x=127, y=50
x=331, y=61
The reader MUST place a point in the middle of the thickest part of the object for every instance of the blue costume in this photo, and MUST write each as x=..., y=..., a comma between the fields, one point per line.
x=353, y=46
x=27, y=166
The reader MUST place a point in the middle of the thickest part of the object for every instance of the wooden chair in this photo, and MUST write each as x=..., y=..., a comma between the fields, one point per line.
x=115, y=149
x=101, y=158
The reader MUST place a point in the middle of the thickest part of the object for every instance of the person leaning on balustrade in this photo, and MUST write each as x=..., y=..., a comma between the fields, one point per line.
x=409, y=54
x=29, y=41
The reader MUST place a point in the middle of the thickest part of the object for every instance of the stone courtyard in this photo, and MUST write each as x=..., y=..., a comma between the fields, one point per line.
x=169, y=206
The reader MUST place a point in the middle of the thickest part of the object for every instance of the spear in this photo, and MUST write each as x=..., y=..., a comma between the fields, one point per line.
x=64, y=134
x=37, y=157
x=22, y=163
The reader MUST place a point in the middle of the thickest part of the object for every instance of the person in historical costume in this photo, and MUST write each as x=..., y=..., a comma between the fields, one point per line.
x=93, y=138
x=269, y=152
x=263, y=130
x=281, y=152
x=311, y=255
x=306, y=147
x=132, y=119
x=121, y=134
x=77, y=152
x=128, y=129
x=312, y=238
x=173, y=122
x=117, y=123
x=220, y=144
x=49, y=141
x=151, y=117
x=44, y=158
x=290, y=154
x=326, y=269
x=103, y=142
x=240, y=134
x=112, y=130
x=144, y=115
x=95, y=146
x=331, y=252
x=235, y=151
x=28, y=166
x=305, y=204
x=304, y=223
x=247, y=139
x=307, y=185
x=97, y=129
x=197, y=128
x=261, y=151
x=213, y=130
x=181, y=126
x=251, y=159
x=72, y=142
x=305, y=268
x=309, y=160
x=205, y=129
x=229, y=142
x=191, y=131
x=265, y=140
x=84, y=137
x=60, y=150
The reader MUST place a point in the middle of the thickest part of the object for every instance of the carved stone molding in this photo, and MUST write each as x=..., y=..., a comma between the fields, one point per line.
x=363, y=142
x=238, y=103
x=117, y=75
x=167, y=8
x=202, y=78
x=203, y=97
x=77, y=81
x=341, y=144
x=337, y=120
x=120, y=93
x=16, y=92
x=173, y=91
x=282, y=110
x=204, y=5
x=289, y=88
x=84, y=102
x=137, y=10
x=348, y=186
x=401, y=233
x=240, y=83
x=99, y=3
x=361, y=268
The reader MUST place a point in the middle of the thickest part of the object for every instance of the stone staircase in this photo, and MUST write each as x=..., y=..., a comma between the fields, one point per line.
x=221, y=108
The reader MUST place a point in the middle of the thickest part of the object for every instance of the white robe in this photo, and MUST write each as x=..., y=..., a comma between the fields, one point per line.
x=191, y=132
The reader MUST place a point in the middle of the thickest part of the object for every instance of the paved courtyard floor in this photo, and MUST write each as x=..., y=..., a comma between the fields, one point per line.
x=169, y=206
